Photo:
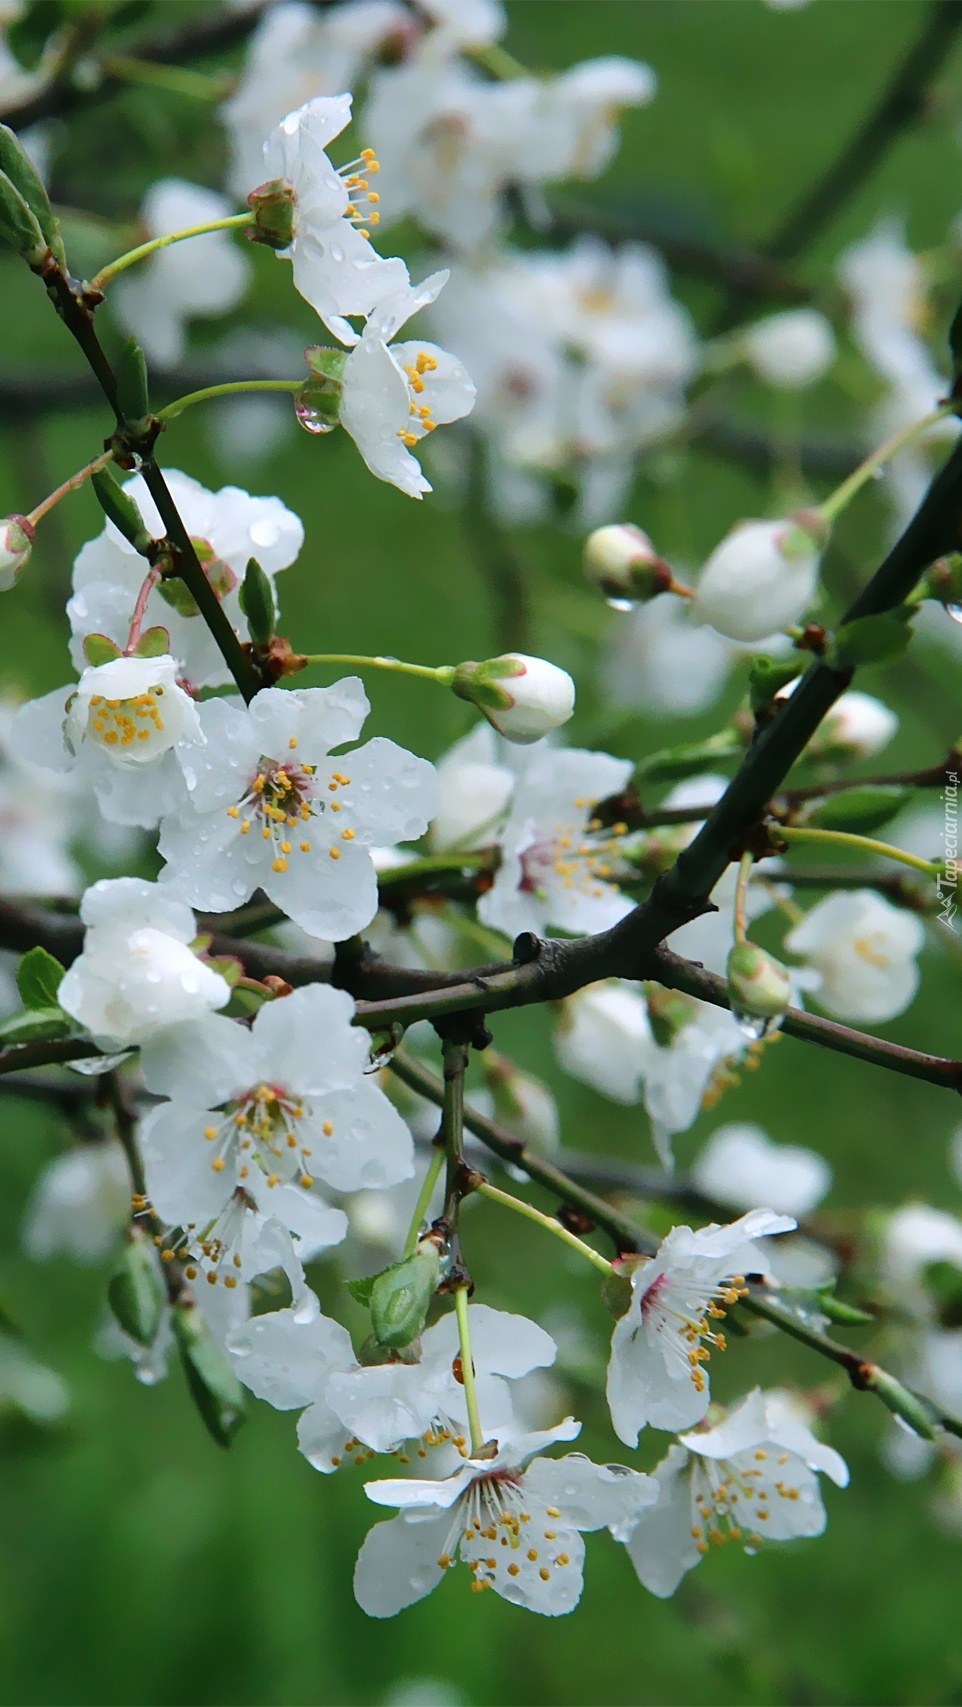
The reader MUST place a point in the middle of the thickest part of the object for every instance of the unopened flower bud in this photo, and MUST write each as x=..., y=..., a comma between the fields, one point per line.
x=524, y=698
x=758, y=985
x=16, y=544
x=792, y=349
x=272, y=205
x=762, y=576
x=400, y=1297
x=621, y=560
x=944, y=581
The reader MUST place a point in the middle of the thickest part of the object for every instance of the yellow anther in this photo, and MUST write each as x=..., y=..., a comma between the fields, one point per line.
x=305, y=847
x=328, y=1128
x=347, y=835
x=335, y=853
x=232, y=811
x=218, y=1164
x=278, y=865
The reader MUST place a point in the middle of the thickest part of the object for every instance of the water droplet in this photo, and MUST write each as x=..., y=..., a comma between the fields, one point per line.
x=337, y=253
x=620, y=604
x=311, y=419
x=239, y=887
x=954, y=611
x=92, y=1065
x=751, y=1025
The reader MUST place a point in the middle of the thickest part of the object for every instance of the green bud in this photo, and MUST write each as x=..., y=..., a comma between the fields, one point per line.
x=258, y=603
x=18, y=224
x=759, y=986
x=859, y=809
x=767, y=677
x=943, y=581
x=871, y=639
x=400, y=1297
x=119, y=507
x=621, y=560
x=17, y=166
x=136, y=1291
x=39, y=976
x=132, y=390
x=272, y=205
x=213, y=1386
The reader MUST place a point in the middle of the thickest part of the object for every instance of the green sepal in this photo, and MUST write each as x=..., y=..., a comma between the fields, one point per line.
x=258, y=603
x=119, y=507
x=100, y=649
x=211, y=1381
x=326, y=363
x=18, y=224
x=871, y=639
x=39, y=976
x=36, y=1025
x=859, y=809
x=136, y=1291
x=133, y=395
x=673, y=764
x=153, y=643
x=402, y=1294
x=767, y=677
x=17, y=166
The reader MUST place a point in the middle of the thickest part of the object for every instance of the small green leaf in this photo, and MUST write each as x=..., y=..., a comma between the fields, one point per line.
x=17, y=165
x=402, y=1294
x=37, y=1025
x=872, y=639
x=18, y=224
x=132, y=390
x=136, y=1291
x=859, y=809
x=100, y=649
x=258, y=603
x=213, y=1386
x=361, y=1289
x=153, y=643
x=672, y=764
x=39, y=977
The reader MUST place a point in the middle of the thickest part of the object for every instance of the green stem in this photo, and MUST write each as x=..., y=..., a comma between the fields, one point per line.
x=863, y=844
x=228, y=389
x=741, y=896
x=233, y=222
x=547, y=1222
x=443, y=673
x=467, y=1372
x=424, y=1197
x=72, y=485
x=837, y=500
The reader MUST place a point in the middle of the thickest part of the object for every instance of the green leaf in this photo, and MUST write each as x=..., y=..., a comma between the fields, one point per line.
x=859, y=809
x=672, y=764
x=17, y=165
x=402, y=1294
x=872, y=639
x=100, y=649
x=18, y=223
x=136, y=1291
x=768, y=676
x=132, y=391
x=153, y=643
x=37, y=1025
x=211, y=1381
x=258, y=603
x=362, y=1289
x=39, y=977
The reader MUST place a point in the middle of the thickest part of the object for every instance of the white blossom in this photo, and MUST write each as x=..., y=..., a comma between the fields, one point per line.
x=39, y=818
x=760, y=578
x=228, y=528
x=912, y=1237
x=334, y=266
x=865, y=951
x=269, y=807
x=660, y=1346
x=555, y=868
x=475, y=788
x=254, y=1118
x=200, y=276
x=514, y=1519
x=751, y=1478
x=295, y=54
x=792, y=349
x=137, y=972
x=740, y=1164
x=126, y=727
x=395, y=394
x=604, y=1039
x=662, y=662
x=78, y=1205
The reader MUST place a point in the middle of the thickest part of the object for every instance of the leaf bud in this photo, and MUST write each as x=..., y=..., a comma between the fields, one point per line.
x=18, y=224
x=272, y=205
x=16, y=544
x=119, y=507
x=621, y=560
x=258, y=603
x=401, y=1295
x=523, y=697
x=132, y=393
x=17, y=166
x=213, y=1386
x=759, y=986
x=136, y=1290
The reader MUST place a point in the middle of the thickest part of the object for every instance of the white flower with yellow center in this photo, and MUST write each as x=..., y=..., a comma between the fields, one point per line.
x=750, y=1479
x=394, y=394
x=269, y=808
x=660, y=1345
x=515, y=1519
x=557, y=862
x=228, y=528
x=866, y=953
x=255, y=1117
x=335, y=268
x=126, y=727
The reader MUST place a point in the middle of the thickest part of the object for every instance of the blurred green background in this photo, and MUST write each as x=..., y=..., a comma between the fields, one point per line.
x=139, y=1563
